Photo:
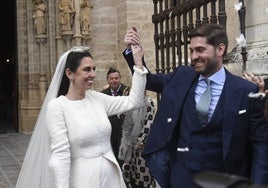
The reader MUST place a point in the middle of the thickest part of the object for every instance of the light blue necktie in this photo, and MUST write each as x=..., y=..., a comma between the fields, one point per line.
x=202, y=106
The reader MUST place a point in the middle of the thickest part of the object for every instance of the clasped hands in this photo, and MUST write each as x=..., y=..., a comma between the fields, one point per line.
x=133, y=43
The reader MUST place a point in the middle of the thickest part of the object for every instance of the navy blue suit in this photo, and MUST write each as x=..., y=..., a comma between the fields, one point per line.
x=235, y=141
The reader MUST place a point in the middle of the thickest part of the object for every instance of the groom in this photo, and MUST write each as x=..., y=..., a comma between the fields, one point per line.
x=235, y=138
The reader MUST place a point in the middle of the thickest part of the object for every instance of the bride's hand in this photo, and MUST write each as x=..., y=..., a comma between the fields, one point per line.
x=137, y=53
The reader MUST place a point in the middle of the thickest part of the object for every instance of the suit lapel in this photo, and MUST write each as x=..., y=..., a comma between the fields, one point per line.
x=107, y=91
x=233, y=96
x=182, y=90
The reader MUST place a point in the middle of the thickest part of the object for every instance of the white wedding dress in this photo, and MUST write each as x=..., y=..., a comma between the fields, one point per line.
x=73, y=137
x=79, y=132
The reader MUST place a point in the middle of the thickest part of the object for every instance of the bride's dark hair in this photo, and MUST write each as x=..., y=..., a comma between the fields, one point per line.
x=73, y=61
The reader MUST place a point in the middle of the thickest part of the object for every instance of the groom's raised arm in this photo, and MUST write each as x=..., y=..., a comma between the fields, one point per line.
x=131, y=39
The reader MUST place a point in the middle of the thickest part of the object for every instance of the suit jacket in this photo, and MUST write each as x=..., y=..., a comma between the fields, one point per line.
x=245, y=132
x=121, y=91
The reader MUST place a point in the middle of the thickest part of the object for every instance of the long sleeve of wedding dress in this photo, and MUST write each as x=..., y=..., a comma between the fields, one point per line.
x=59, y=161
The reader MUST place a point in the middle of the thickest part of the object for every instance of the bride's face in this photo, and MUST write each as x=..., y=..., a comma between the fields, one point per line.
x=85, y=74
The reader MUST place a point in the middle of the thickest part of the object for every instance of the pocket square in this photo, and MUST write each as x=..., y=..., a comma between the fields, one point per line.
x=242, y=111
x=169, y=120
x=186, y=149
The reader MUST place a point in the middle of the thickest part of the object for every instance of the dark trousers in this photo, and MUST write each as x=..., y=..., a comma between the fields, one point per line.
x=181, y=177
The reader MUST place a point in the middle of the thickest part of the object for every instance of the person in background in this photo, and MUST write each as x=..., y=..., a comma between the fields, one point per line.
x=70, y=145
x=256, y=80
x=136, y=127
x=263, y=88
x=205, y=120
x=116, y=88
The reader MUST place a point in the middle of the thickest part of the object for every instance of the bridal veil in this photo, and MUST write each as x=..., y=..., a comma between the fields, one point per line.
x=34, y=171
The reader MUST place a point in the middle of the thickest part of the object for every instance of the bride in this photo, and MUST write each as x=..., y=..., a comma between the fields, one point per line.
x=70, y=145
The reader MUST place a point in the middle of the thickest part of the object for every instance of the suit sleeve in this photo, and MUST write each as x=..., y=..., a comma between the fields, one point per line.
x=155, y=82
x=129, y=58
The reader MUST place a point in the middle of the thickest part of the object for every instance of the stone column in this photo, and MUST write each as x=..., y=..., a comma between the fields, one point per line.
x=42, y=75
x=257, y=41
x=256, y=36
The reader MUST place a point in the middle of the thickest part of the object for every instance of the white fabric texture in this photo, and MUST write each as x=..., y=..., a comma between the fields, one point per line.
x=80, y=138
x=77, y=143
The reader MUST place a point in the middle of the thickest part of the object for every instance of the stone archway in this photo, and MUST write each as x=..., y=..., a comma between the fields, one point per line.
x=8, y=67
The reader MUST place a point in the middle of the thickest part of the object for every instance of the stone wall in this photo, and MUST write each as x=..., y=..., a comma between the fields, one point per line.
x=38, y=53
x=110, y=22
x=257, y=41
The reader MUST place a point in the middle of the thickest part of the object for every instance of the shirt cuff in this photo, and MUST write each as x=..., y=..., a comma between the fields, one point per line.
x=128, y=51
x=144, y=71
